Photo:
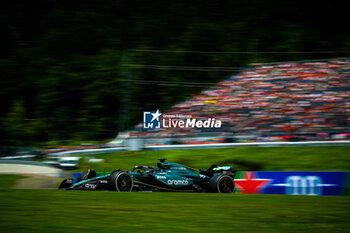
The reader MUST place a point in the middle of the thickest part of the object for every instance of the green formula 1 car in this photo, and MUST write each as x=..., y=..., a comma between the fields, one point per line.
x=165, y=177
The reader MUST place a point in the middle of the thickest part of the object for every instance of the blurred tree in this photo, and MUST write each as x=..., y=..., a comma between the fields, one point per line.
x=15, y=123
x=63, y=74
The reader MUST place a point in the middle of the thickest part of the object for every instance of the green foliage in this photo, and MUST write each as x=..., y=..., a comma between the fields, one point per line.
x=63, y=63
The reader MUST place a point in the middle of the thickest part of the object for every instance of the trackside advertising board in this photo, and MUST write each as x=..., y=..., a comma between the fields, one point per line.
x=291, y=183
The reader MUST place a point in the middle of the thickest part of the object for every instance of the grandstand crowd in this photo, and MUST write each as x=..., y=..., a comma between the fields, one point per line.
x=274, y=101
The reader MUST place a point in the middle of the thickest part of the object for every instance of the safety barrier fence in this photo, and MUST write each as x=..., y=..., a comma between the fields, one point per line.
x=29, y=167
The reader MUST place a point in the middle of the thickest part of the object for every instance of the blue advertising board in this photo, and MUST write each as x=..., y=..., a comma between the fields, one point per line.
x=293, y=183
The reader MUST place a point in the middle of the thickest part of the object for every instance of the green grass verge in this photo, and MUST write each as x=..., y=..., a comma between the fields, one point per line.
x=87, y=211
x=323, y=158
x=8, y=181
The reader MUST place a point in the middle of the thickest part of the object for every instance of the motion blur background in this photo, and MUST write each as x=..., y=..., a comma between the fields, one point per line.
x=77, y=73
x=85, y=70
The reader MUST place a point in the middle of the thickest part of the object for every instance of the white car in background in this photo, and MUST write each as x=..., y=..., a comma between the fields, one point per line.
x=69, y=163
x=53, y=161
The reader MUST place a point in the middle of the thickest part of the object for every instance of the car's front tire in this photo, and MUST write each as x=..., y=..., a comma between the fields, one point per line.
x=121, y=181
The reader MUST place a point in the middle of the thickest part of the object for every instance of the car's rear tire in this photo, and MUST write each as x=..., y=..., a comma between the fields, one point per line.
x=221, y=184
x=121, y=181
